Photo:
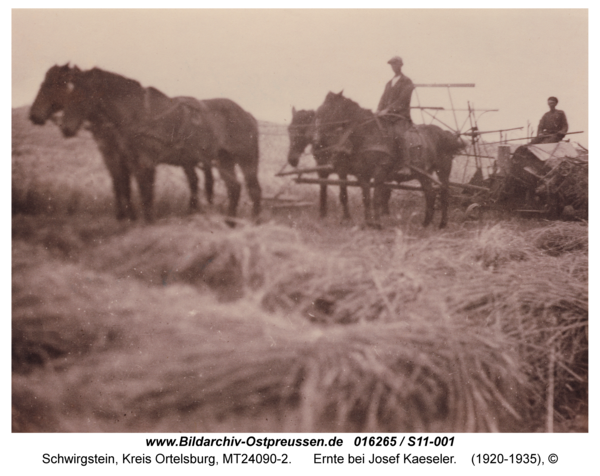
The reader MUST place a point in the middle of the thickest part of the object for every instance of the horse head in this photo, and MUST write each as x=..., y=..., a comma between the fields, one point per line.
x=77, y=108
x=53, y=93
x=337, y=110
x=102, y=97
x=300, y=132
x=333, y=121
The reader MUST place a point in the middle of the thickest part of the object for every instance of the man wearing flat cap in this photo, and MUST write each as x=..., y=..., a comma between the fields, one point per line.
x=553, y=125
x=397, y=93
x=394, y=107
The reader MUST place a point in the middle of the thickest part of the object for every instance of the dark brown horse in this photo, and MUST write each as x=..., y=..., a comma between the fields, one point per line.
x=301, y=133
x=362, y=147
x=153, y=128
x=52, y=97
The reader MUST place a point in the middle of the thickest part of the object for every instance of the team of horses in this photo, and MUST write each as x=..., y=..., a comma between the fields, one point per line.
x=355, y=141
x=137, y=128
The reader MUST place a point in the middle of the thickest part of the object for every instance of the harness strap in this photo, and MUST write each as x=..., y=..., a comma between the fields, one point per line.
x=166, y=112
x=374, y=147
x=146, y=130
x=342, y=145
x=339, y=146
x=378, y=148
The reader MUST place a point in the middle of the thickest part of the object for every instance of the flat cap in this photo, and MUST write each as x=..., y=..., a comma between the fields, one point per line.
x=553, y=98
x=396, y=59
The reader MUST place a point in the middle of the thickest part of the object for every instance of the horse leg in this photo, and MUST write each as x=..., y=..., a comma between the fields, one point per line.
x=209, y=183
x=119, y=174
x=380, y=195
x=387, y=195
x=118, y=182
x=444, y=205
x=125, y=187
x=444, y=176
x=227, y=173
x=344, y=197
x=365, y=186
x=254, y=191
x=323, y=195
x=145, y=178
x=429, y=193
x=250, y=173
x=190, y=173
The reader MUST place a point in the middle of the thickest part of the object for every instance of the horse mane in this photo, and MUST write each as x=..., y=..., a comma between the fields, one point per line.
x=346, y=101
x=60, y=75
x=306, y=112
x=111, y=84
x=303, y=117
x=157, y=93
x=347, y=107
x=60, y=69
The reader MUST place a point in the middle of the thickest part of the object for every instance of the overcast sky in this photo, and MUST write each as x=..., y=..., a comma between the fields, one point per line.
x=271, y=60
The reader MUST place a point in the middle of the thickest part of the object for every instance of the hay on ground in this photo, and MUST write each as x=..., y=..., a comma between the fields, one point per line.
x=473, y=332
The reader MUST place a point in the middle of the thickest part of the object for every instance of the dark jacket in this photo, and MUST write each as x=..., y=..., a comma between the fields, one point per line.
x=553, y=122
x=397, y=98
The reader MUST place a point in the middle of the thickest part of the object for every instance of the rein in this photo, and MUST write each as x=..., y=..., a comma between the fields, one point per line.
x=345, y=136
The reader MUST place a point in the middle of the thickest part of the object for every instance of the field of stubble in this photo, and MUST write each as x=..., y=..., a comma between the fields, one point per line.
x=296, y=324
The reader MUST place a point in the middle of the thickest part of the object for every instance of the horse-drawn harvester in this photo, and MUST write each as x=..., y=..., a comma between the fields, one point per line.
x=549, y=180
x=546, y=180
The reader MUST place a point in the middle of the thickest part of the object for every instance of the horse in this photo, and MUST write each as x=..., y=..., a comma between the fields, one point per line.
x=51, y=99
x=153, y=128
x=301, y=131
x=362, y=146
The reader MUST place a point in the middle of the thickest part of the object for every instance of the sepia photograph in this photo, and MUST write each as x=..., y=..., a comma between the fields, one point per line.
x=299, y=221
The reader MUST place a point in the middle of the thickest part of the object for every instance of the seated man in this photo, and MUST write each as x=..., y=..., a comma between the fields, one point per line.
x=394, y=106
x=553, y=125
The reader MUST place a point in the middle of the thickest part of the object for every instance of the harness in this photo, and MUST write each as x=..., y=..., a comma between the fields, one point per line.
x=343, y=145
x=413, y=138
x=146, y=127
x=166, y=112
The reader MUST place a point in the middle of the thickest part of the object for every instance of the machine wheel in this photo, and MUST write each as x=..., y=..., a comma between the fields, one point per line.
x=474, y=211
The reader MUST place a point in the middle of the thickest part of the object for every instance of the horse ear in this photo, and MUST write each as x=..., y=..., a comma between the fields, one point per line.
x=340, y=94
x=293, y=111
